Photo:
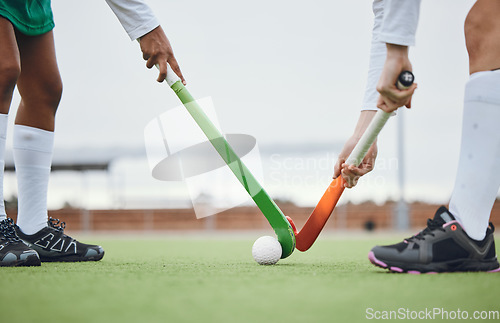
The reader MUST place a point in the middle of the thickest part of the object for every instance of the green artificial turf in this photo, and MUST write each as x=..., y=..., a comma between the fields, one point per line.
x=215, y=279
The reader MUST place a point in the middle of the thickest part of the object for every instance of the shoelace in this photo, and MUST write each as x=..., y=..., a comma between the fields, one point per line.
x=56, y=224
x=8, y=231
x=431, y=226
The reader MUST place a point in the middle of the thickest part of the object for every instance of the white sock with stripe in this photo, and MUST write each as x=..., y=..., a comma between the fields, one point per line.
x=33, y=149
x=478, y=176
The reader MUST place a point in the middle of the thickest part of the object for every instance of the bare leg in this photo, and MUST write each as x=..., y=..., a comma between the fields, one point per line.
x=39, y=84
x=10, y=64
x=482, y=36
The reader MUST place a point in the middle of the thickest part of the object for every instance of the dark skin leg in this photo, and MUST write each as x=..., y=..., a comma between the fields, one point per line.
x=10, y=64
x=39, y=83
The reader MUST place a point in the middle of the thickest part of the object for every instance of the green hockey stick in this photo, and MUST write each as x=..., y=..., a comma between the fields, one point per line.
x=268, y=207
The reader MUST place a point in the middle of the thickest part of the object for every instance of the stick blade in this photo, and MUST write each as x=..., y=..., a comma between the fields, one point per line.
x=320, y=215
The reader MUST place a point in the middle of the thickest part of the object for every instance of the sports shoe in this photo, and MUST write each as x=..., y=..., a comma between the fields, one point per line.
x=13, y=252
x=53, y=245
x=441, y=247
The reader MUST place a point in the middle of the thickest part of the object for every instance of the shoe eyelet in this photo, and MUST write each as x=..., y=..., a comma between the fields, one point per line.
x=453, y=227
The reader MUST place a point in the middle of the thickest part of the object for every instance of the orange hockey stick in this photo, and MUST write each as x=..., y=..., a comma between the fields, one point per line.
x=305, y=238
x=317, y=220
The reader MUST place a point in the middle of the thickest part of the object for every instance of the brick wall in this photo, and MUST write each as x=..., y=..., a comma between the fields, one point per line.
x=349, y=216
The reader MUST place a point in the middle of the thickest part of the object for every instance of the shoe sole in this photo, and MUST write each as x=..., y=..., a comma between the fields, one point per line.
x=53, y=256
x=71, y=258
x=30, y=261
x=435, y=268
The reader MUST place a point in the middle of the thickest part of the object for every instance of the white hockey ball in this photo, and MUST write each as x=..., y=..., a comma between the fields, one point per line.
x=266, y=250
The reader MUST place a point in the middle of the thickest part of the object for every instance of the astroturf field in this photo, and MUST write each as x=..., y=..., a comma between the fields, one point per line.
x=214, y=279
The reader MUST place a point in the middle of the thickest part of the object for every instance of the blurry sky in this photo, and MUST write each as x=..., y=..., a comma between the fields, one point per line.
x=287, y=72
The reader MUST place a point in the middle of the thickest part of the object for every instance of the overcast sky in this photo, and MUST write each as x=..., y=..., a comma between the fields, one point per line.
x=286, y=72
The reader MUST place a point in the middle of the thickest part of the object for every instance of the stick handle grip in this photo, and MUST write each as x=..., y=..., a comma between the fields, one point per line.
x=405, y=80
x=359, y=152
x=171, y=76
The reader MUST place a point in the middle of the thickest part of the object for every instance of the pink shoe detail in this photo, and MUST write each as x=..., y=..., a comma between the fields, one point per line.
x=375, y=261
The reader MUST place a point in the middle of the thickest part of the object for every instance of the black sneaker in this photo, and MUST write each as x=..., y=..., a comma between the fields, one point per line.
x=53, y=245
x=13, y=252
x=441, y=247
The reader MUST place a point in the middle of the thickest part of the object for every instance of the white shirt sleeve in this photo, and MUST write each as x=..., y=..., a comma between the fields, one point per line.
x=400, y=22
x=378, y=53
x=135, y=16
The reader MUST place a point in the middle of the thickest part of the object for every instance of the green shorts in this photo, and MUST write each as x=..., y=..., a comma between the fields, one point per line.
x=30, y=17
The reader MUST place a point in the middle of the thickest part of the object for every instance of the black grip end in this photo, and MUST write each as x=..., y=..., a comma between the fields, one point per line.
x=405, y=80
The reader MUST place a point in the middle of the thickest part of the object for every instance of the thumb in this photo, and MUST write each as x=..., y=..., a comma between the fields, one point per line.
x=338, y=167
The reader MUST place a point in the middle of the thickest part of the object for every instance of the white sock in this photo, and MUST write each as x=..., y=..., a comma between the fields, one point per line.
x=3, y=135
x=478, y=176
x=33, y=157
